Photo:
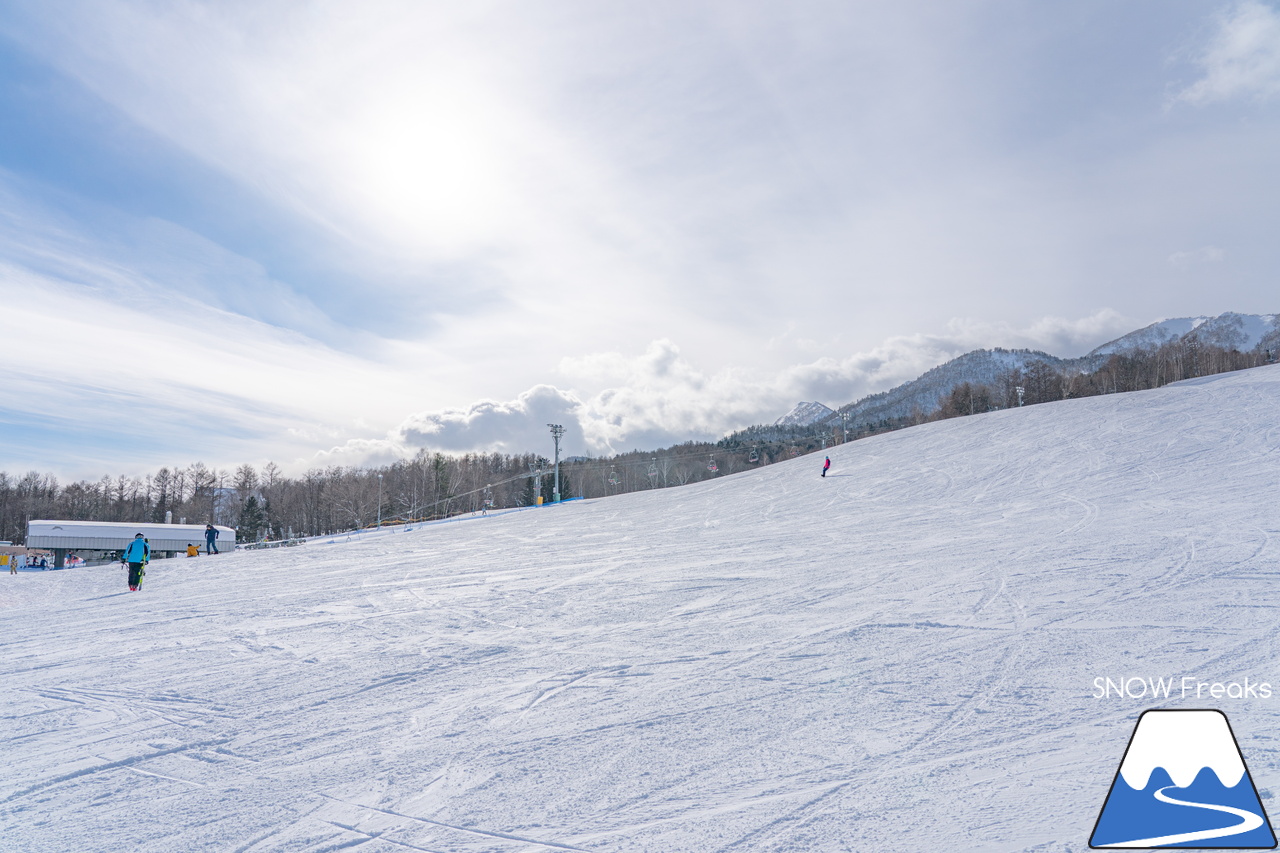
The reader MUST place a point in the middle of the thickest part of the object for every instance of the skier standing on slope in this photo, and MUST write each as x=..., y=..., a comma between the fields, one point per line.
x=136, y=555
x=210, y=540
x=825, y=466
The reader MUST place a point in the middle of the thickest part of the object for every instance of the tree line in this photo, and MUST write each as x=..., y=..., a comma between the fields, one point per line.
x=1140, y=370
x=266, y=504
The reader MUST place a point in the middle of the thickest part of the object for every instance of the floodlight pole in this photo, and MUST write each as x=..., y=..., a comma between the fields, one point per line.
x=213, y=503
x=556, y=432
x=1020, y=391
x=379, y=501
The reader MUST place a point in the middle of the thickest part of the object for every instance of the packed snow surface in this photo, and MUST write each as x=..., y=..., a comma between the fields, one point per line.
x=901, y=656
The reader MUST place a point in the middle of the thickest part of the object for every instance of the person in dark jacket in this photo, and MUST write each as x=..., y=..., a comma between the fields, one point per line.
x=136, y=556
x=210, y=539
x=825, y=466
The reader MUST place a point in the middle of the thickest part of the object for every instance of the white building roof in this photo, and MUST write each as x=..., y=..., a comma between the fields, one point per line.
x=114, y=535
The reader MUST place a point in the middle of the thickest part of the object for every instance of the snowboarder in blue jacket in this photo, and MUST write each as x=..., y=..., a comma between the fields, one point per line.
x=210, y=539
x=136, y=556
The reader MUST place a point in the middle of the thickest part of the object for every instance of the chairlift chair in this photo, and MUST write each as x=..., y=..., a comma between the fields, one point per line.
x=653, y=470
x=613, y=477
x=753, y=456
x=711, y=466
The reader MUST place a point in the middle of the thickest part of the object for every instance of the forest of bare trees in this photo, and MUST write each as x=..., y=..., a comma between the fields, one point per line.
x=265, y=504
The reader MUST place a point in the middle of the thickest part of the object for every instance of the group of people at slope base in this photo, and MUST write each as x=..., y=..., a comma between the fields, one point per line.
x=138, y=554
x=210, y=543
x=22, y=561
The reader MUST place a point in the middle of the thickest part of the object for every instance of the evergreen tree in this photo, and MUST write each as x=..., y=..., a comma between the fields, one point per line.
x=253, y=520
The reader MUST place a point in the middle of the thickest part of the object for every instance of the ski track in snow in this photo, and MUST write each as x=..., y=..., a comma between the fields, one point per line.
x=898, y=657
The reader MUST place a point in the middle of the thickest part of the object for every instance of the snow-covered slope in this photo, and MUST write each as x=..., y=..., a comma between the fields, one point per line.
x=899, y=657
x=804, y=414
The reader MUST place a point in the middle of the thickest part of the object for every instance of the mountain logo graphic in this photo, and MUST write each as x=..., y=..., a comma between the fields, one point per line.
x=1183, y=783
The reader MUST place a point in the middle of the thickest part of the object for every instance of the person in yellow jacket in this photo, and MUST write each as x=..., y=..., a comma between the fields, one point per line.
x=193, y=550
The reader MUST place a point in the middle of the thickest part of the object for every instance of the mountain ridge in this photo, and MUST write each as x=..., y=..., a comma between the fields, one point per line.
x=924, y=394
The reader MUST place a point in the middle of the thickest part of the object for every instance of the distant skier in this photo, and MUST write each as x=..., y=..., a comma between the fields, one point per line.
x=210, y=540
x=136, y=556
x=826, y=466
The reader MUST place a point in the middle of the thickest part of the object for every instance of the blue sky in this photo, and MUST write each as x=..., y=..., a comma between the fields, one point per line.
x=320, y=233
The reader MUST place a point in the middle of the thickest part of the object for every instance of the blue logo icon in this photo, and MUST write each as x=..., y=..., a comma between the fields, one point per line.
x=1183, y=783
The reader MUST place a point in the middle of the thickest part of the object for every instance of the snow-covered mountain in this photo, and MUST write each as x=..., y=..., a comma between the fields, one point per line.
x=899, y=657
x=804, y=414
x=1243, y=332
x=928, y=391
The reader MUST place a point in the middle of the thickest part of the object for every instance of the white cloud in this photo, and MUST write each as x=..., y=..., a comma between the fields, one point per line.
x=428, y=142
x=1242, y=59
x=536, y=159
x=359, y=452
x=1055, y=335
x=141, y=368
x=1203, y=255
x=513, y=427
